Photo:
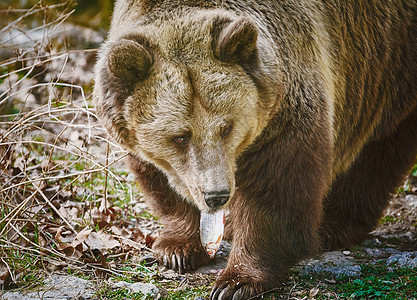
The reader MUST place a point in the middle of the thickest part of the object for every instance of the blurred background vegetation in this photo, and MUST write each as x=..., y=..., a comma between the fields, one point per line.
x=90, y=13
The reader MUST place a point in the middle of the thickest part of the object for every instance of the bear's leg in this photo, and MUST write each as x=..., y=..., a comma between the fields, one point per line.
x=275, y=215
x=265, y=245
x=178, y=247
x=358, y=198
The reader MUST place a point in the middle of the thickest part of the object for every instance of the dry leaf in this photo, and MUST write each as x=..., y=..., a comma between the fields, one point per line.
x=20, y=163
x=149, y=240
x=63, y=246
x=331, y=281
x=138, y=235
x=70, y=251
x=101, y=241
x=81, y=237
x=122, y=232
x=69, y=213
x=4, y=272
x=41, y=241
x=64, y=236
x=46, y=165
x=131, y=244
x=55, y=266
x=99, y=218
x=104, y=205
x=313, y=292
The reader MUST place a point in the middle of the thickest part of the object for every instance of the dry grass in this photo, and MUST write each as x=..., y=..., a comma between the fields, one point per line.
x=55, y=159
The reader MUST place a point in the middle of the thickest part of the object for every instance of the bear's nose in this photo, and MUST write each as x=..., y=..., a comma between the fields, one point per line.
x=216, y=199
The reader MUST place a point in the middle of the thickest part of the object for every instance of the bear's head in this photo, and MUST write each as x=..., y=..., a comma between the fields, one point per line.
x=186, y=94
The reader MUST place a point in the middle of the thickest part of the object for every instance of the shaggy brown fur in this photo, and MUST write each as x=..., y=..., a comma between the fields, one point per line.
x=305, y=112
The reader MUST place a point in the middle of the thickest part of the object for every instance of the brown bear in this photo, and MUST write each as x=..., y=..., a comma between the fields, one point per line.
x=298, y=116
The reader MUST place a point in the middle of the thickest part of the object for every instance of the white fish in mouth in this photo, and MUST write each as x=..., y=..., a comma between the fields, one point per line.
x=211, y=231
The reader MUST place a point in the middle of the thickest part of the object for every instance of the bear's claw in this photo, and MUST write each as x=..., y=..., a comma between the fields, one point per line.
x=180, y=263
x=235, y=286
x=179, y=253
x=226, y=292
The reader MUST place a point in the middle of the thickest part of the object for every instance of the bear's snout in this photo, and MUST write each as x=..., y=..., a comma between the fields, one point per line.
x=216, y=199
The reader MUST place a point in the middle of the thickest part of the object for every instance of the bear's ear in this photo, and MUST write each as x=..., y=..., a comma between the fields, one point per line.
x=235, y=41
x=129, y=61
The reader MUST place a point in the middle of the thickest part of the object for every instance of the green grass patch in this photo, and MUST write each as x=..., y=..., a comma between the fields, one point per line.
x=378, y=282
x=121, y=294
x=375, y=282
x=386, y=220
x=140, y=273
x=169, y=289
x=27, y=268
x=147, y=215
x=414, y=171
x=190, y=293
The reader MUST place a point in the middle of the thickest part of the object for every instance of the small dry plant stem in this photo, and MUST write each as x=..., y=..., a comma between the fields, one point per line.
x=106, y=177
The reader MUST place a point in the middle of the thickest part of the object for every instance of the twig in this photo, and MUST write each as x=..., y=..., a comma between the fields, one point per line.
x=292, y=289
x=10, y=271
x=70, y=259
x=16, y=211
x=50, y=57
x=55, y=209
x=264, y=293
x=100, y=169
x=29, y=12
x=105, y=179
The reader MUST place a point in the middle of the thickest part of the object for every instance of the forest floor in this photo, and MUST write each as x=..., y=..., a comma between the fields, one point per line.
x=73, y=224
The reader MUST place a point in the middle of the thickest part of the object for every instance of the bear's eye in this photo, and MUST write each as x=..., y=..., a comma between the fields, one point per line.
x=181, y=140
x=226, y=130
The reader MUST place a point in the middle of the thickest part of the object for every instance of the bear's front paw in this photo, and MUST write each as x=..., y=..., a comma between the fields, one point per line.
x=234, y=286
x=179, y=253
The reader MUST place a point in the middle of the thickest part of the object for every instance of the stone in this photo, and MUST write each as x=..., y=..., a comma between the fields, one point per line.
x=334, y=262
x=57, y=287
x=138, y=287
x=403, y=260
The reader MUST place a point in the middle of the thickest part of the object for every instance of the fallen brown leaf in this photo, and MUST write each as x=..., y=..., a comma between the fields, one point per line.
x=64, y=236
x=101, y=241
x=4, y=273
x=313, y=292
x=81, y=237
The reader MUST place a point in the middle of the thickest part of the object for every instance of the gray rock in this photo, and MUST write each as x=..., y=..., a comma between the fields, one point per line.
x=334, y=262
x=138, y=287
x=403, y=260
x=411, y=200
x=381, y=252
x=57, y=287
